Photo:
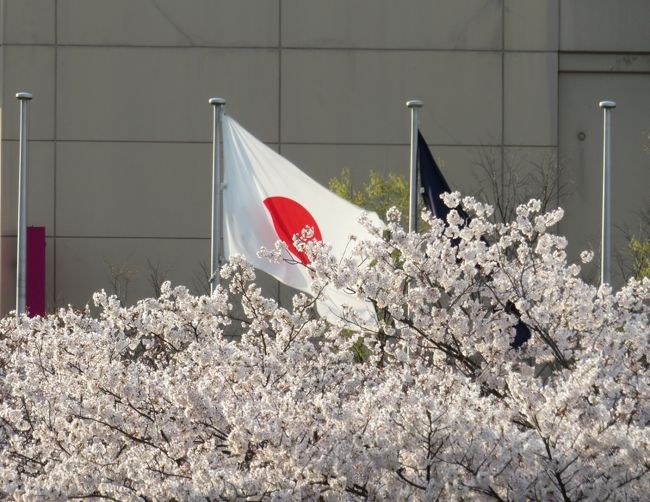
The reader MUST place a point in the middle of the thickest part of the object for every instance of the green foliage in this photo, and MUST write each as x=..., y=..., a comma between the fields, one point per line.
x=640, y=246
x=359, y=348
x=361, y=351
x=641, y=253
x=379, y=194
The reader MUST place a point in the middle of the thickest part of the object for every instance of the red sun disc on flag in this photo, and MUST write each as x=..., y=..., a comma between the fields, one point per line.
x=289, y=219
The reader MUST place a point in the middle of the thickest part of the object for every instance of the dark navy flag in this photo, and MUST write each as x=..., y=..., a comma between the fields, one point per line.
x=522, y=331
x=433, y=185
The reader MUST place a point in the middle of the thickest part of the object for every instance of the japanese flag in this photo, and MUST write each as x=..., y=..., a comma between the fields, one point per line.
x=267, y=199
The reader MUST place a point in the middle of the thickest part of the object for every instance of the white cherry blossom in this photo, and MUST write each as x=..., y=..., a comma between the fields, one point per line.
x=232, y=396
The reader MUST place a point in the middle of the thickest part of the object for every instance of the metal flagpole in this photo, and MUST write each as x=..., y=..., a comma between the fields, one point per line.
x=21, y=251
x=414, y=105
x=215, y=237
x=605, y=244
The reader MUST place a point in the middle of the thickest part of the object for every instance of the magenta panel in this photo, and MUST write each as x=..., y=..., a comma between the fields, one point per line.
x=35, y=294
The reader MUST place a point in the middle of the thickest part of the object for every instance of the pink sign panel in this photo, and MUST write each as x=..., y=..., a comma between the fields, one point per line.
x=35, y=276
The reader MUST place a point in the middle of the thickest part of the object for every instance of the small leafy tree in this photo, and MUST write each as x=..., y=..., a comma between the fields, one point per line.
x=378, y=194
x=641, y=254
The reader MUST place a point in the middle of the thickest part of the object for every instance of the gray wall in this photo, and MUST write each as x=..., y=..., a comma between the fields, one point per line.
x=120, y=124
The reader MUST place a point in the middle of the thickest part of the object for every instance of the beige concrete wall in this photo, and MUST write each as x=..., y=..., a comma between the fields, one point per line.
x=580, y=144
x=605, y=54
x=604, y=25
x=121, y=125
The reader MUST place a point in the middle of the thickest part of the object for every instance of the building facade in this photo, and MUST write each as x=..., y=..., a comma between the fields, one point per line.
x=120, y=126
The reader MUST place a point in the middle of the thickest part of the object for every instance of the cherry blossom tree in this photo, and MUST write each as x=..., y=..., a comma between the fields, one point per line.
x=156, y=402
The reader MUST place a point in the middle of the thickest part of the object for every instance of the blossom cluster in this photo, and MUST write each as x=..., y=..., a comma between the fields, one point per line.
x=159, y=401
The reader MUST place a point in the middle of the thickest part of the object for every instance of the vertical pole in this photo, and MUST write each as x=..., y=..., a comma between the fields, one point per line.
x=215, y=237
x=21, y=251
x=605, y=244
x=414, y=105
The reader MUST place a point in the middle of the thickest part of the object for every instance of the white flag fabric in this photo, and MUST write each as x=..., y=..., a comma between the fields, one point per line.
x=267, y=199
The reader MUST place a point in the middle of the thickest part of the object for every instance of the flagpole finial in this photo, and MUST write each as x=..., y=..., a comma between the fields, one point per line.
x=414, y=103
x=216, y=101
x=607, y=104
x=24, y=95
